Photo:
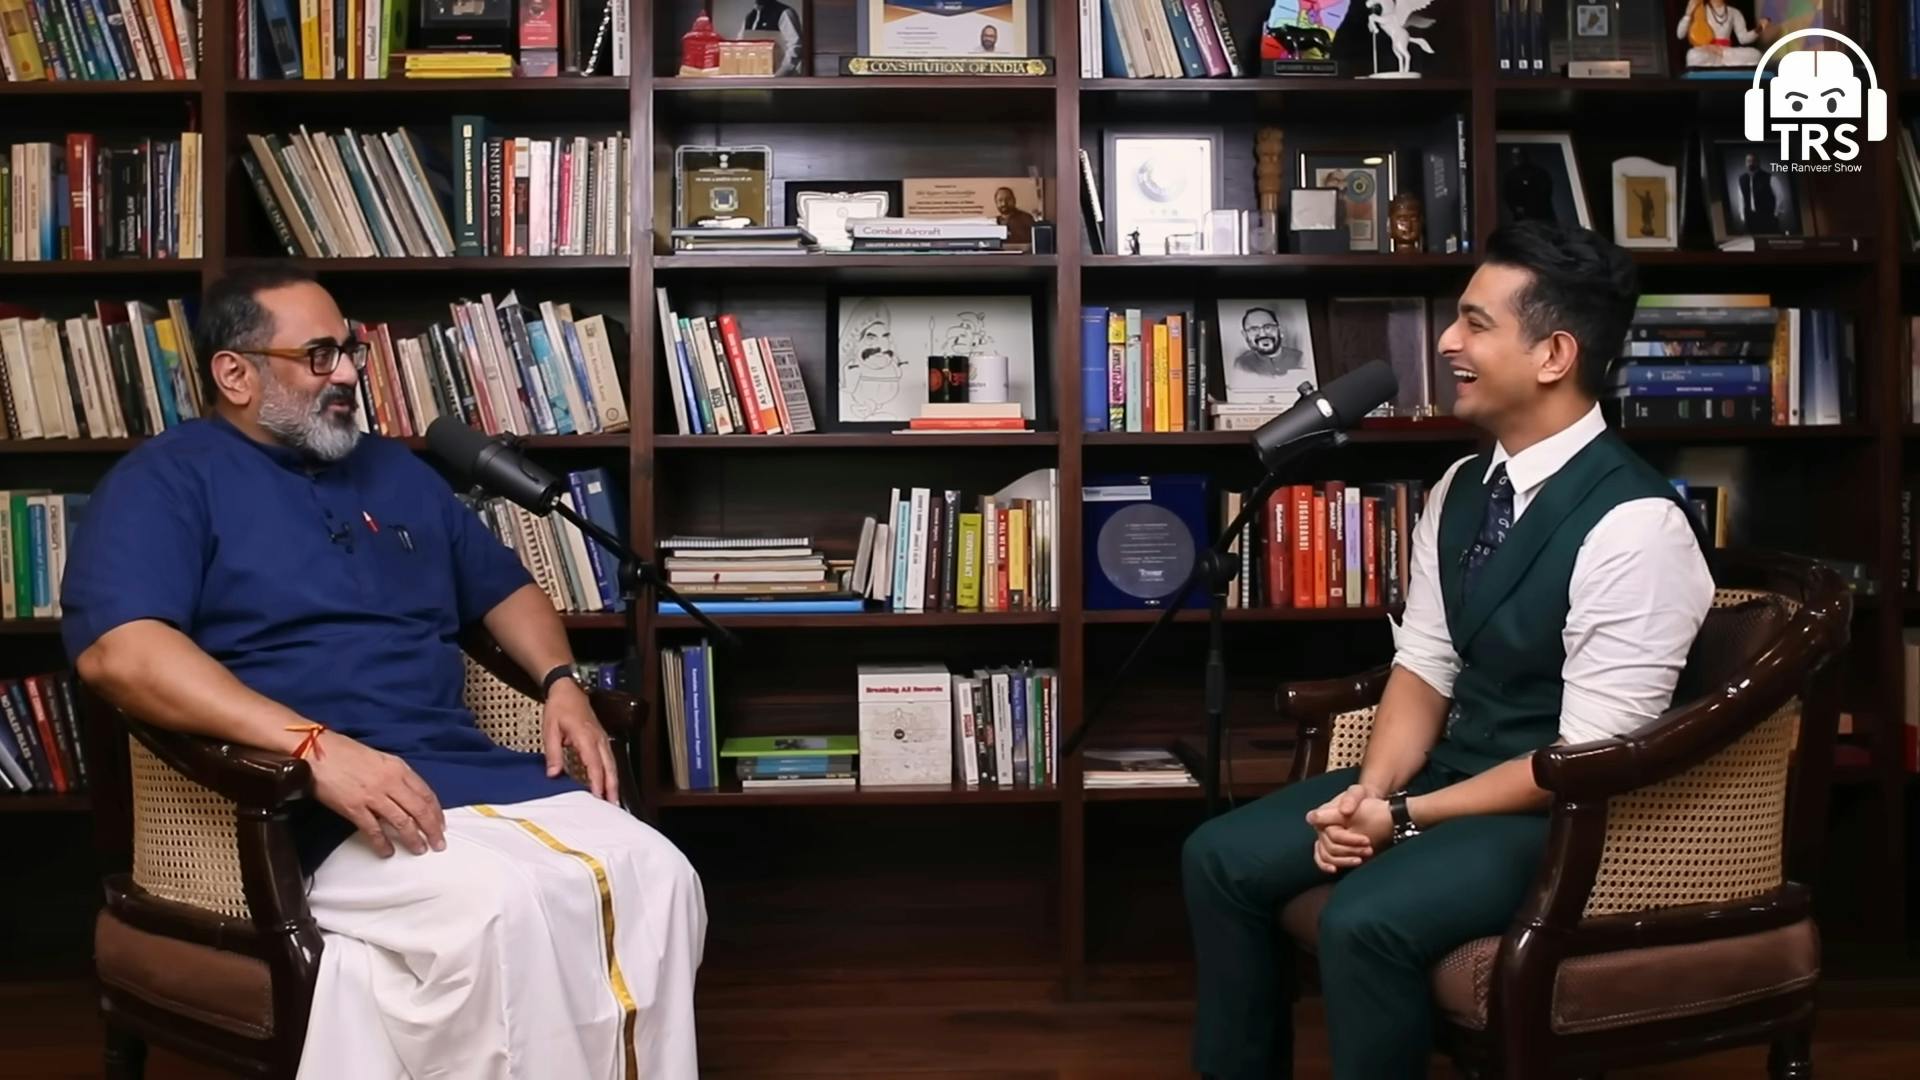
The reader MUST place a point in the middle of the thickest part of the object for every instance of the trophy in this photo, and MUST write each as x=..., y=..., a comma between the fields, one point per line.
x=1398, y=19
x=1263, y=231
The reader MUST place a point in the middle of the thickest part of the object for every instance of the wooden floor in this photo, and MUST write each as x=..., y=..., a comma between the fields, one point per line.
x=48, y=1032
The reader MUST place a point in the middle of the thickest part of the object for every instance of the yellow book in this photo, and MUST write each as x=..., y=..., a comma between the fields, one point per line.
x=1116, y=371
x=1160, y=377
x=1176, y=373
x=310, y=39
x=966, y=595
x=21, y=48
x=1016, y=558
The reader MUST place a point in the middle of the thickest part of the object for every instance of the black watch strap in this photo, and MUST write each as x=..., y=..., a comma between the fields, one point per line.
x=562, y=671
x=1403, y=826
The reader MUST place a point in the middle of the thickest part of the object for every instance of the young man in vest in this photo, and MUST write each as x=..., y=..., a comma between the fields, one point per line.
x=1557, y=584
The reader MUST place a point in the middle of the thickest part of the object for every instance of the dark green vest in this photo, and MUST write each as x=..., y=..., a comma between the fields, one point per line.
x=1506, y=699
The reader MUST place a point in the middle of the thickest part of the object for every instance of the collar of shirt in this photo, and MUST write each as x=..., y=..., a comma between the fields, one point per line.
x=1533, y=466
x=285, y=456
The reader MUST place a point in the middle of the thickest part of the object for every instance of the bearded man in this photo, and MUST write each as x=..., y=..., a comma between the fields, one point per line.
x=273, y=576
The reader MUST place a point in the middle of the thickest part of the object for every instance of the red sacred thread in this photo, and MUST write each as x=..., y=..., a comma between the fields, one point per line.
x=311, y=742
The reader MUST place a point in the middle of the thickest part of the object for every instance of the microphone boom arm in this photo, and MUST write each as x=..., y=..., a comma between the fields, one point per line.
x=639, y=570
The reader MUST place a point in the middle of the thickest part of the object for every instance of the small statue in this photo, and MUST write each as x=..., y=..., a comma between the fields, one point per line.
x=1133, y=242
x=700, y=48
x=1406, y=224
x=1397, y=19
x=1712, y=27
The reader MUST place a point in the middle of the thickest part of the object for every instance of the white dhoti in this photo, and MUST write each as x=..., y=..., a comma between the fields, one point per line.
x=556, y=938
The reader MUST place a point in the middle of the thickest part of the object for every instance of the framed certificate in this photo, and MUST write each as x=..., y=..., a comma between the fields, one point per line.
x=1160, y=189
x=947, y=28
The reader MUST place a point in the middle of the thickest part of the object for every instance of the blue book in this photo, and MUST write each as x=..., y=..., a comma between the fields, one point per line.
x=700, y=770
x=1693, y=389
x=1642, y=374
x=1093, y=369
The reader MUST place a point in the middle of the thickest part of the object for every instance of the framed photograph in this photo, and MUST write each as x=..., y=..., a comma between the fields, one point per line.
x=878, y=377
x=1757, y=195
x=1160, y=185
x=1538, y=179
x=1396, y=329
x=1266, y=351
x=782, y=22
x=1366, y=179
x=1646, y=204
x=824, y=207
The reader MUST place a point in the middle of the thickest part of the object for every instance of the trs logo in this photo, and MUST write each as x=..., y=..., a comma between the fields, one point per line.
x=1816, y=99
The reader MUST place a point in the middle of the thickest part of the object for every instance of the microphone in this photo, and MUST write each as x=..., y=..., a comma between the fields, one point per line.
x=1338, y=406
x=493, y=464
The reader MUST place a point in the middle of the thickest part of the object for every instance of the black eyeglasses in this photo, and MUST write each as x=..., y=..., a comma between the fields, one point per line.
x=324, y=357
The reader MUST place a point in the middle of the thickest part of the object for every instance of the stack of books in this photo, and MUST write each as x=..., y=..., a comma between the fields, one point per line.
x=1733, y=358
x=1133, y=768
x=726, y=381
x=960, y=417
x=792, y=762
x=456, y=65
x=753, y=575
x=919, y=236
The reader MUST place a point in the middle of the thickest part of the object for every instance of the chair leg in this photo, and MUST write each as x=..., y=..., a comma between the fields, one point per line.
x=125, y=1054
x=1791, y=1057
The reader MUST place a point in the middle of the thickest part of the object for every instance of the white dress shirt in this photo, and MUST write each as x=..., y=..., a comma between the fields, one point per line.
x=1639, y=591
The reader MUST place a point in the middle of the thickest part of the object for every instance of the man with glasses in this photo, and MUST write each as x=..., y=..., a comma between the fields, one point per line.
x=272, y=576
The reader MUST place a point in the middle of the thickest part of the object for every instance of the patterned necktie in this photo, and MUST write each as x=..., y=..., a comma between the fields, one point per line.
x=1493, y=529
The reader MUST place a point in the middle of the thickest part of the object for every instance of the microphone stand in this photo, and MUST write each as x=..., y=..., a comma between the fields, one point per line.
x=1216, y=566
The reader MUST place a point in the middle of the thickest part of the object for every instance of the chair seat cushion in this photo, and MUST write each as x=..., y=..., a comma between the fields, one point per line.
x=1614, y=989
x=227, y=990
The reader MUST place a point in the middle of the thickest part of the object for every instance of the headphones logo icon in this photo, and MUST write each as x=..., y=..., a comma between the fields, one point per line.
x=1813, y=89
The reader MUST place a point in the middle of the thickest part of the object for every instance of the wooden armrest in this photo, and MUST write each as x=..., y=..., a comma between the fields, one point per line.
x=1313, y=703
x=249, y=776
x=617, y=711
x=1692, y=922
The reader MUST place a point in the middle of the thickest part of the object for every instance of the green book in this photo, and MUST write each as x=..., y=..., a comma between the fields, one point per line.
x=967, y=589
x=791, y=746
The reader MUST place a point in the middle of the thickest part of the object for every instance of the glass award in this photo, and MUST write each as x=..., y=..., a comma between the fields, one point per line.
x=1593, y=40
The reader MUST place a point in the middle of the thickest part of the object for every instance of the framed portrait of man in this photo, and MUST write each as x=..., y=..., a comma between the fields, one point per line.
x=1266, y=351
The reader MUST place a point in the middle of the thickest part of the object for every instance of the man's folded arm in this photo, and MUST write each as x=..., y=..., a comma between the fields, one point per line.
x=159, y=675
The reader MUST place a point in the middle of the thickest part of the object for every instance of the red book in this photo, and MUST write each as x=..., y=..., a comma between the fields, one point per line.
x=1302, y=545
x=1370, y=547
x=1276, y=532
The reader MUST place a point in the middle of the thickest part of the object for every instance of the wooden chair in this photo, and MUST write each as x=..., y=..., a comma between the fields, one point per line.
x=207, y=947
x=1670, y=916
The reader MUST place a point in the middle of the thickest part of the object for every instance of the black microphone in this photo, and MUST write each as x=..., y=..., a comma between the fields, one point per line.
x=1338, y=406
x=493, y=465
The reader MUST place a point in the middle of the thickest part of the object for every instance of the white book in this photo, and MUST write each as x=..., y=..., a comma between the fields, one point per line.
x=603, y=377
x=1003, y=727
x=882, y=583
x=917, y=551
x=965, y=742
x=863, y=558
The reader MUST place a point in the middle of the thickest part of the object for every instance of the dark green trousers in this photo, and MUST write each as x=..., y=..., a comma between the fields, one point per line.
x=1389, y=920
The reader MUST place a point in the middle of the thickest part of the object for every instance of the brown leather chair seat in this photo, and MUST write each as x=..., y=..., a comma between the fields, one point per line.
x=1618, y=988
x=227, y=990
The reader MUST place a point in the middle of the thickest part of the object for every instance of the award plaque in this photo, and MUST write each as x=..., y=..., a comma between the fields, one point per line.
x=466, y=24
x=722, y=186
x=1593, y=41
x=1142, y=536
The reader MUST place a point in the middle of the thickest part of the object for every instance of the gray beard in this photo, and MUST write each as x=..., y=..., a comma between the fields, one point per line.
x=305, y=426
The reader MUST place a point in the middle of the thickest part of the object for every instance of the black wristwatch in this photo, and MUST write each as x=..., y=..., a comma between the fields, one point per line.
x=1403, y=826
x=563, y=671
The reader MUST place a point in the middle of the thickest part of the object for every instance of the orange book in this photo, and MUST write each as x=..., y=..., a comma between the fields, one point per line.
x=1301, y=543
x=1176, y=373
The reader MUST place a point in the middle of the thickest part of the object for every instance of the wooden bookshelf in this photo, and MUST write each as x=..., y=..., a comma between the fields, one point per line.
x=794, y=671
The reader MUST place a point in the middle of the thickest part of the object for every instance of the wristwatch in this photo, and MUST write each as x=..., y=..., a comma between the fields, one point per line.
x=1403, y=826
x=561, y=671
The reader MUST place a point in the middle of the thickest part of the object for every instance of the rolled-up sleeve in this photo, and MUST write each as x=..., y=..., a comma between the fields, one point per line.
x=1421, y=643
x=485, y=570
x=140, y=549
x=1640, y=590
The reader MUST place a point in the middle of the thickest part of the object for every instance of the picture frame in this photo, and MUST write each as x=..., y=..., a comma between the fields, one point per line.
x=824, y=207
x=1646, y=204
x=1539, y=178
x=1367, y=178
x=958, y=28
x=877, y=369
x=1160, y=183
x=1732, y=165
x=1267, y=352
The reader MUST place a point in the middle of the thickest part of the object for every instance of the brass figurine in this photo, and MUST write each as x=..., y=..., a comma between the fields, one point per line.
x=1406, y=224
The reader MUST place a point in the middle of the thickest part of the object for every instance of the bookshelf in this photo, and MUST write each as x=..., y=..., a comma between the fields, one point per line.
x=1055, y=883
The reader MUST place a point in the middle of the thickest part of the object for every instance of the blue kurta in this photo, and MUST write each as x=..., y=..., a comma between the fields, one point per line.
x=338, y=590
